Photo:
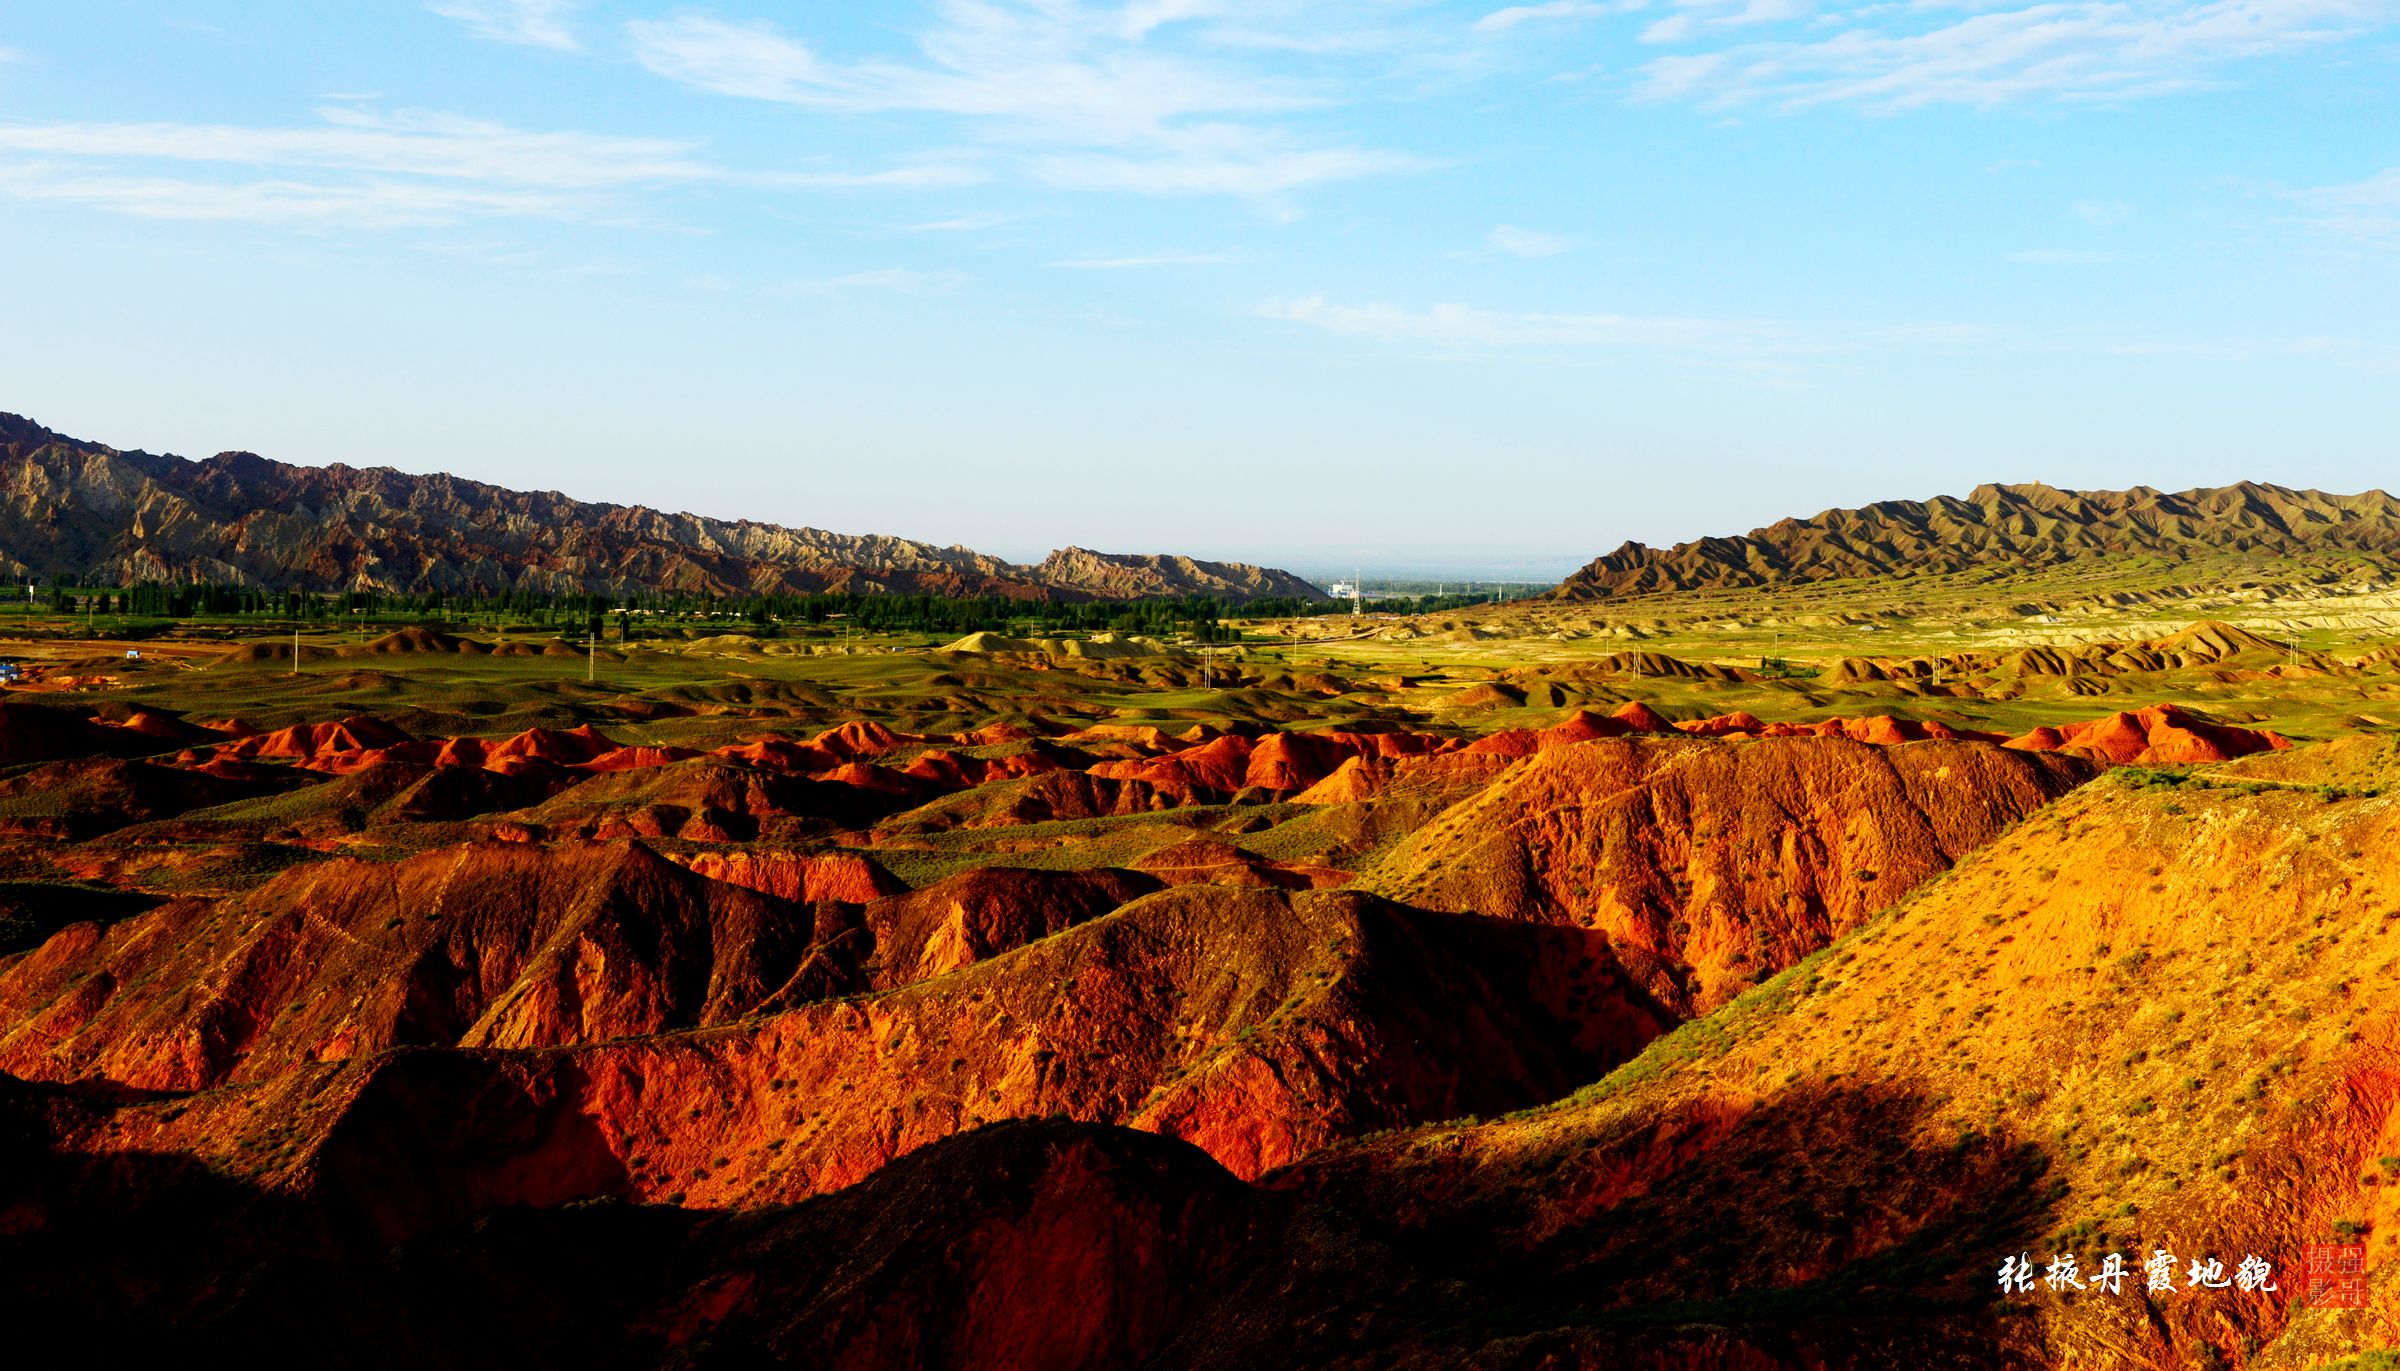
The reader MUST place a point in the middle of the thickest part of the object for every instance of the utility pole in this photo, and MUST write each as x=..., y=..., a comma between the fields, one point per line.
x=591, y=653
x=295, y=649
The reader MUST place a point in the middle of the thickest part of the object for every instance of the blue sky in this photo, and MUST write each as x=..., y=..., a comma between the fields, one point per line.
x=1359, y=280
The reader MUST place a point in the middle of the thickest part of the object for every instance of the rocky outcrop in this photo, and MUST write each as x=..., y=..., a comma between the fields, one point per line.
x=1126, y=576
x=2008, y=526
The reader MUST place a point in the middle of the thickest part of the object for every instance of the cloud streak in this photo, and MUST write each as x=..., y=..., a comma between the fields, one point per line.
x=1502, y=20
x=2364, y=212
x=1159, y=259
x=412, y=143
x=1518, y=242
x=902, y=279
x=1780, y=344
x=532, y=23
x=1098, y=98
x=374, y=206
x=1466, y=326
x=1889, y=57
x=363, y=169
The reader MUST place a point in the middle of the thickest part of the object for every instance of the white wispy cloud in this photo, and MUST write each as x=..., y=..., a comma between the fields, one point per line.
x=1502, y=20
x=1786, y=345
x=1156, y=259
x=964, y=223
x=534, y=23
x=931, y=175
x=1137, y=20
x=1456, y=325
x=1518, y=242
x=1696, y=17
x=1037, y=68
x=1895, y=56
x=367, y=169
x=2064, y=257
x=1255, y=169
x=902, y=279
x=2365, y=212
x=1091, y=97
x=375, y=206
x=410, y=143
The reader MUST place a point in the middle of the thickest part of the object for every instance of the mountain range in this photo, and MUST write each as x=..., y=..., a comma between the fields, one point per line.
x=2012, y=526
x=99, y=515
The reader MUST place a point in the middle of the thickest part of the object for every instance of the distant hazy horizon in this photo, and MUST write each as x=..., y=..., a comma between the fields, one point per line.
x=1324, y=566
x=1451, y=279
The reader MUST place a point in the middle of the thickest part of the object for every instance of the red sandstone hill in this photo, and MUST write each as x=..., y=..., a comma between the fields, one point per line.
x=494, y=944
x=108, y=517
x=1710, y=867
x=2008, y=526
x=2147, y=1019
x=1257, y=1024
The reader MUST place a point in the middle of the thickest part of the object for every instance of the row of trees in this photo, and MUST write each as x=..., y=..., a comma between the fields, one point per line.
x=1197, y=616
x=576, y=613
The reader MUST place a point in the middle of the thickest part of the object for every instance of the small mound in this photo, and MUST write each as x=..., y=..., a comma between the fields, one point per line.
x=1354, y=780
x=409, y=641
x=1740, y=721
x=987, y=642
x=2162, y=735
x=1490, y=695
x=1641, y=718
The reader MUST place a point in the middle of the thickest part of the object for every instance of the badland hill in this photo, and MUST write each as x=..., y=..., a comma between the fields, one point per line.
x=430, y=998
x=102, y=516
x=641, y=1014
x=2014, y=527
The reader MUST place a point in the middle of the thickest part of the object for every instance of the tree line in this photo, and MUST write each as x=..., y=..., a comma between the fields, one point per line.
x=1195, y=616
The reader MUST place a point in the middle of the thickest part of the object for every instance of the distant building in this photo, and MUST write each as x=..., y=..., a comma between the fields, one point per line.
x=1344, y=590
